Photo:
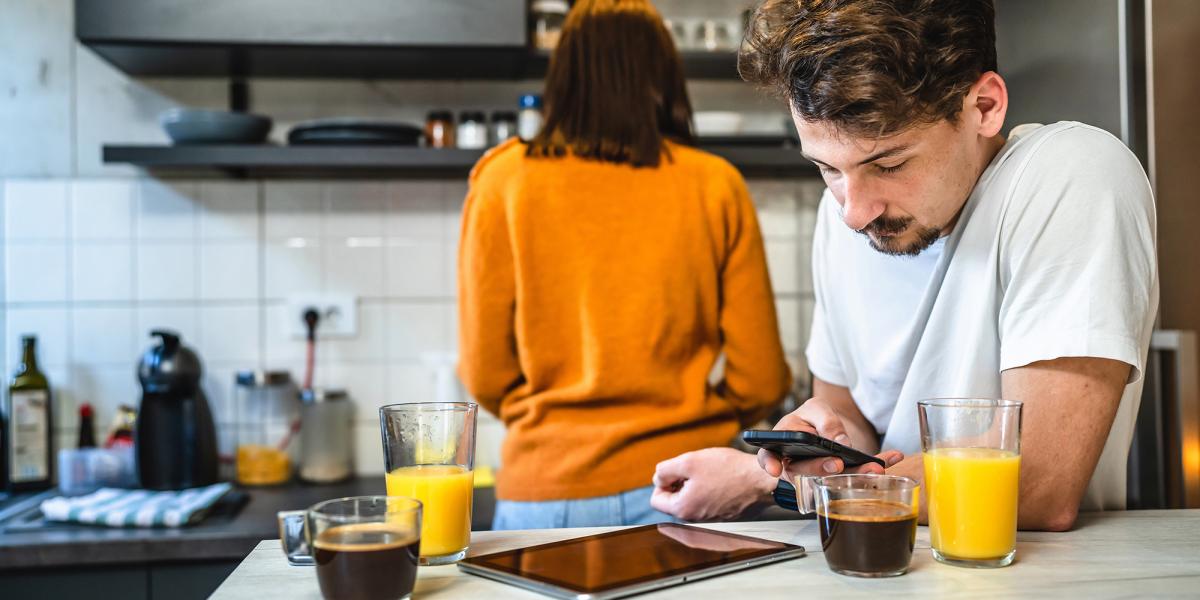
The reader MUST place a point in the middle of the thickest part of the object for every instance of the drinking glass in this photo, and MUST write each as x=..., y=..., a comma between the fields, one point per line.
x=868, y=522
x=364, y=547
x=429, y=452
x=972, y=455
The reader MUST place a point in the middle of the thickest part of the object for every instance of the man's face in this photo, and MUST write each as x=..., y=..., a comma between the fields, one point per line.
x=903, y=192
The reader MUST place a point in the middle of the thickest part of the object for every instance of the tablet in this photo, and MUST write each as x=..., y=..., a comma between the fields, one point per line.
x=628, y=561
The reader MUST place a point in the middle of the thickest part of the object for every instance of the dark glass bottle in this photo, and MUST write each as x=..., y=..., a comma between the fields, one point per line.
x=29, y=430
x=87, y=427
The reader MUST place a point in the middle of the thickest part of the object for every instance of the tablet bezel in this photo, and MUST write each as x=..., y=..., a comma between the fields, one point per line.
x=479, y=565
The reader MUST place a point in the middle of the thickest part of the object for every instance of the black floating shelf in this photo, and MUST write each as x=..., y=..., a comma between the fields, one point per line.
x=390, y=161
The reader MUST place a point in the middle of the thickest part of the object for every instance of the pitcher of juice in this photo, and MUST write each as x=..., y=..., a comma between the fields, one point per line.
x=972, y=456
x=429, y=452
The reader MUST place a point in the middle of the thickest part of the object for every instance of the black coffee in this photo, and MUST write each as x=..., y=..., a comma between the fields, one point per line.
x=366, y=561
x=868, y=537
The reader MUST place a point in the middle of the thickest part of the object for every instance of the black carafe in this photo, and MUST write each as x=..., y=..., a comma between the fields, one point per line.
x=175, y=438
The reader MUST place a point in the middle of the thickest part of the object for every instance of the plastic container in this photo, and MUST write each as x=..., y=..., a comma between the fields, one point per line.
x=504, y=126
x=84, y=470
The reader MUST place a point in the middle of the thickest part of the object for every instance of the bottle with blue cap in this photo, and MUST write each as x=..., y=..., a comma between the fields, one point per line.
x=529, y=119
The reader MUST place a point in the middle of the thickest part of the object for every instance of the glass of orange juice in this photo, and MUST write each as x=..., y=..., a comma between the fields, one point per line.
x=972, y=454
x=429, y=452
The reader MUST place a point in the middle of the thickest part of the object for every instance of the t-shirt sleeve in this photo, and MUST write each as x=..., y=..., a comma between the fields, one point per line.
x=1077, y=260
x=822, y=350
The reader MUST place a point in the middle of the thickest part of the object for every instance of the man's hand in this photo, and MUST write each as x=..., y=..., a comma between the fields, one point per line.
x=816, y=416
x=714, y=484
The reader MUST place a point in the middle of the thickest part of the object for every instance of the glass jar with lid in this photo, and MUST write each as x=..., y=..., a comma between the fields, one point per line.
x=472, y=133
x=268, y=425
x=327, y=436
x=548, y=19
x=439, y=129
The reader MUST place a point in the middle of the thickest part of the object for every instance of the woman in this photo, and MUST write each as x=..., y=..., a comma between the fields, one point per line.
x=604, y=267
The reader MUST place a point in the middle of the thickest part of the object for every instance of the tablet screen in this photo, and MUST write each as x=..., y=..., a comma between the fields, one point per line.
x=607, y=561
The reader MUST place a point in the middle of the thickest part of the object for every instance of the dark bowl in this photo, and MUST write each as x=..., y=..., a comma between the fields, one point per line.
x=198, y=126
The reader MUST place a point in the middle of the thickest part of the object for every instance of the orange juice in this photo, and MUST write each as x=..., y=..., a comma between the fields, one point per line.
x=972, y=495
x=445, y=493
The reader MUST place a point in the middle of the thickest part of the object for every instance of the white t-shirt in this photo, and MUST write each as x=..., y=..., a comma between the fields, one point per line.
x=1052, y=256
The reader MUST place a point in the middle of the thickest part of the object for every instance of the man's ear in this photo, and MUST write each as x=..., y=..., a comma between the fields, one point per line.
x=987, y=101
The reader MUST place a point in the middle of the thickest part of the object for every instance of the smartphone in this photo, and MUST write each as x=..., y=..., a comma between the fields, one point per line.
x=802, y=445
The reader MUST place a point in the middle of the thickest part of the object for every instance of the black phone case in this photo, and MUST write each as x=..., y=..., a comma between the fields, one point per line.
x=801, y=445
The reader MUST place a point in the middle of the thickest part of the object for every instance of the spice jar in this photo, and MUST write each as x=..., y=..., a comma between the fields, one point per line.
x=529, y=119
x=439, y=129
x=548, y=18
x=472, y=131
x=504, y=126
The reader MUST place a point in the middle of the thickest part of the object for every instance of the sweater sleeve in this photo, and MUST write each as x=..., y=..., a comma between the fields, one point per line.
x=756, y=374
x=488, y=363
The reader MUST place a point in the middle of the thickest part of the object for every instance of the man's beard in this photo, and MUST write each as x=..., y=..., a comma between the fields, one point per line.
x=884, y=226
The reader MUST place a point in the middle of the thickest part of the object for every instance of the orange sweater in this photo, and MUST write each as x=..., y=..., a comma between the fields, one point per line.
x=594, y=300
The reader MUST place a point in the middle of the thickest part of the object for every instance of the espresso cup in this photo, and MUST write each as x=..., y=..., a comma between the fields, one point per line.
x=363, y=547
x=868, y=522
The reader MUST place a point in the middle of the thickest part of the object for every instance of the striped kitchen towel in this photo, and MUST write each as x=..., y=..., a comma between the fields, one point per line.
x=114, y=507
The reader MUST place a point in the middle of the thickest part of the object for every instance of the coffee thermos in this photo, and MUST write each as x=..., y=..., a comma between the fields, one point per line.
x=175, y=439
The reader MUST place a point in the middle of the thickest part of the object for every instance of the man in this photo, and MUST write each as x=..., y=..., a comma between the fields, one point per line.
x=949, y=260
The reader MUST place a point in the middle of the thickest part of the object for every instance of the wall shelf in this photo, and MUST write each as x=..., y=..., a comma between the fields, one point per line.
x=389, y=161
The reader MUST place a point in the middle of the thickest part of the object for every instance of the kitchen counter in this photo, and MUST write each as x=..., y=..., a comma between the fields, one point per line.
x=229, y=534
x=1126, y=554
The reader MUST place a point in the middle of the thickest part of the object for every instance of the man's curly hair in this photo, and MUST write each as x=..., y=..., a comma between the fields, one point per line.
x=871, y=68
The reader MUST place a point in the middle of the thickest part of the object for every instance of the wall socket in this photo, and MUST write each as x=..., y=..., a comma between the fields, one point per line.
x=339, y=315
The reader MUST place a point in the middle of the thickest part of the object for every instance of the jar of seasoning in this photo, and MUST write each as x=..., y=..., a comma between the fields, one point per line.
x=327, y=436
x=529, y=119
x=504, y=126
x=439, y=129
x=548, y=18
x=472, y=131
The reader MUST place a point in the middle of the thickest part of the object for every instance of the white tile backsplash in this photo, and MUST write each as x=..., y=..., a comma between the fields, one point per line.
x=103, y=336
x=229, y=211
x=102, y=271
x=416, y=268
x=366, y=384
x=355, y=209
x=782, y=261
x=102, y=209
x=35, y=209
x=354, y=266
x=414, y=328
x=166, y=210
x=368, y=449
x=166, y=271
x=229, y=270
x=230, y=333
x=50, y=325
x=293, y=209
x=416, y=209
x=35, y=272
x=291, y=266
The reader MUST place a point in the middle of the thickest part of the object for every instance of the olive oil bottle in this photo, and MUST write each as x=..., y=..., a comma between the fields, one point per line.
x=29, y=425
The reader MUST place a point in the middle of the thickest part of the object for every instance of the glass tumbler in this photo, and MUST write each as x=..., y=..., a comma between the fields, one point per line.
x=429, y=452
x=972, y=453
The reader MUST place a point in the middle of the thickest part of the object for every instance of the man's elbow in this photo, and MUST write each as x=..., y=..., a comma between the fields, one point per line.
x=1052, y=518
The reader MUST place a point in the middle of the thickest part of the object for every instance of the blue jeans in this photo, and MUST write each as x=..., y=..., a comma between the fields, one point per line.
x=626, y=508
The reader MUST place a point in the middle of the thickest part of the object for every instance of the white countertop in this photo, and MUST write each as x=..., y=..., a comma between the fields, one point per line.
x=1115, y=554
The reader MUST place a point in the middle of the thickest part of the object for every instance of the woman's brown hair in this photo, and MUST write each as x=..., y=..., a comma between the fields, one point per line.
x=615, y=88
x=871, y=68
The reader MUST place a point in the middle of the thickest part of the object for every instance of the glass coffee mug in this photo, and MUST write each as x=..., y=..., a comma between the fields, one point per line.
x=364, y=547
x=429, y=452
x=868, y=522
x=972, y=456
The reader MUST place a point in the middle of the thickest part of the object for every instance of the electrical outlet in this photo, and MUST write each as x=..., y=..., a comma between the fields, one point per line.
x=338, y=312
